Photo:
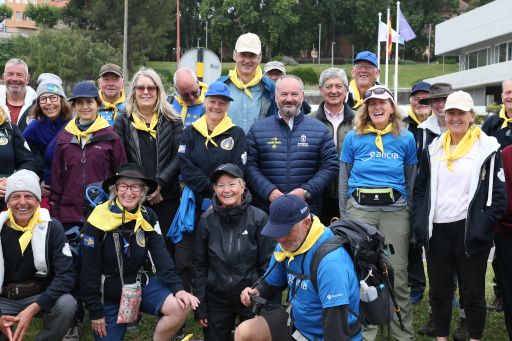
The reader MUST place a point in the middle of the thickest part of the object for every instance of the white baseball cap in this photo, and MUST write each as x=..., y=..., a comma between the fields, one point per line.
x=248, y=42
x=459, y=100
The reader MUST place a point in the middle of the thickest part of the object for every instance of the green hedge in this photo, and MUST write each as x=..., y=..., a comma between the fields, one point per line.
x=306, y=73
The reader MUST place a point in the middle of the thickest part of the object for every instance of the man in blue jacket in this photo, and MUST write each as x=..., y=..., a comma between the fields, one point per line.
x=252, y=92
x=36, y=273
x=290, y=152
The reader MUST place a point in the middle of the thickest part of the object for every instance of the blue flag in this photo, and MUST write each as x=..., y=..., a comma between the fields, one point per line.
x=405, y=31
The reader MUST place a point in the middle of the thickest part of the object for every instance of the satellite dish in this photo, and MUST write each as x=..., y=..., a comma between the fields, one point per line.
x=204, y=62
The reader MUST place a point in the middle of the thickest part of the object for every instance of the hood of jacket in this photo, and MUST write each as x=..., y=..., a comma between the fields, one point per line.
x=431, y=124
x=232, y=215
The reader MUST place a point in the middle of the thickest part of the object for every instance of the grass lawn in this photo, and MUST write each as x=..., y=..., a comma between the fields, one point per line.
x=494, y=329
x=408, y=73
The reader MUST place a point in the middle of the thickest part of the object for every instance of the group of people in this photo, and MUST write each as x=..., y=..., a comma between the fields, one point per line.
x=223, y=192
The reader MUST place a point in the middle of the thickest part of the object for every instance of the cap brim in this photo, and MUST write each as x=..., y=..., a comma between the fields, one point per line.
x=217, y=174
x=246, y=49
x=276, y=230
x=382, y=96
x=426, y=99
x=365, y=60
x=219, y=95
x=110, y=71
x=458, y=106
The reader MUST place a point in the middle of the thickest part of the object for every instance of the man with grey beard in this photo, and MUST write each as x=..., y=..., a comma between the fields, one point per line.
x=290, y=153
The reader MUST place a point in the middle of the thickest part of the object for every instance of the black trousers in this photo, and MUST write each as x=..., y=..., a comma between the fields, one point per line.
x=503, y=260
x=415, y=269
x=222, y=313
x=446, y=255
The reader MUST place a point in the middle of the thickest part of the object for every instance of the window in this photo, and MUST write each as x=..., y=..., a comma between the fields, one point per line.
x=477, y=58
x=18, y=15
x=500, y=53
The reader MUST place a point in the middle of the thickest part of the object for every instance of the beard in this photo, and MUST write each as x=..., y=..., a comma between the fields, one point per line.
x=289, y=112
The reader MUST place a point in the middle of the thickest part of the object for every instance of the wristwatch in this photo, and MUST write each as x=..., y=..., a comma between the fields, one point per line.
x=307, y=195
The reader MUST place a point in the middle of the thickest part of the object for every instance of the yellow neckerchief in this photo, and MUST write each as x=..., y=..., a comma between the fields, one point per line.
x=140, y=124
x=109, y=105
x=378, y=140
x=106, y=220
x=412, y=115
x=26, y=237
x=200, y=100
x=317, y=229
x=503, y=115
x=201, y=126
x=358, y=99
x=233, y=76
x=462, y=148
x=99, y=123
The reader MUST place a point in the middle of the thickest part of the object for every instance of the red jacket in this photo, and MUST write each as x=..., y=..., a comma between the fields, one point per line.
x=74, y=167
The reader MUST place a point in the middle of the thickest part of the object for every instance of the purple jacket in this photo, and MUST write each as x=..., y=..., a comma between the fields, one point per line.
x=74, y=168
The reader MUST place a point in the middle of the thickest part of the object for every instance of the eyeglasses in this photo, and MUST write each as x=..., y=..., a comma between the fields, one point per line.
x=191, y=94
x=377, y=91
x=135, y=188
x=143, y=88
x=52, y=98
x=360, y=67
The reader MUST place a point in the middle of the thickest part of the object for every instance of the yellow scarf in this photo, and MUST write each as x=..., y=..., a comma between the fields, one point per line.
x=84, y=136
x=112, y=106
x=26, y=237
x=233, y=76
x=358, y=99
x=378, y=140
x=412, y=115
x=200, y=100
x=106, y=220
x=317, y=229
x=503, y=115
x=201, y=126
x=140, y=124
x=462, y=148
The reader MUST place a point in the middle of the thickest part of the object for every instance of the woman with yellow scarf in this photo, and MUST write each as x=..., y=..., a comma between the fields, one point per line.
x=377, y=169
x=458, y=195
x=210, y=141
x=107, y=266
x=151, y=130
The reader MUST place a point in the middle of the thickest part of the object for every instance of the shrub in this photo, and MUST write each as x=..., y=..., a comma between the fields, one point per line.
x=306, y=73
x=289, y=61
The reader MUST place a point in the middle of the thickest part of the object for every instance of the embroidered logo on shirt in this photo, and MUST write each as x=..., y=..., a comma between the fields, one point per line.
x=303, y=142
x=88, y=241
x=227, y=144
x=141, y=239
x=274, y=142
x=182, y=148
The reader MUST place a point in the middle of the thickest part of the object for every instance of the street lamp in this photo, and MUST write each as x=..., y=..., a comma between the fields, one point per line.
x=332, y=53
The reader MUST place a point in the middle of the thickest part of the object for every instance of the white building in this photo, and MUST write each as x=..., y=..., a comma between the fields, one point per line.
x=482, y=38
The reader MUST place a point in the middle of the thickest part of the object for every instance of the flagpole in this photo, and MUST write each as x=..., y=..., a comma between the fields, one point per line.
x=387, y=50
x=396, y=50
x=378, y=46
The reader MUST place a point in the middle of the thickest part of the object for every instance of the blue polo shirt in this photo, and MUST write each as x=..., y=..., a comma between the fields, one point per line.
x=243, y=110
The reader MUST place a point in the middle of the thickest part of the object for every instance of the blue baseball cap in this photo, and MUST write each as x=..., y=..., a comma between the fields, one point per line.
x=284, y=212
x=420, y=86
x=366, y=56
x=84, y=90
x=218, y=89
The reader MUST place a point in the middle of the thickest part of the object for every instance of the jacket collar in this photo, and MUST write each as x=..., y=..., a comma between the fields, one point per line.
x=431, y=124
x=348, y=113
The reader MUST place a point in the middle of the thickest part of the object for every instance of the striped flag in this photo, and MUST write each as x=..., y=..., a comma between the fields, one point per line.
x=390, y=39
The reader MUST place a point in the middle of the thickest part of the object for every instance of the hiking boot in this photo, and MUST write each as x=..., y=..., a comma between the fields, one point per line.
x=74, y=332
x=416, y=296
x=428, y=329
x=461, y=333
x=496, y=303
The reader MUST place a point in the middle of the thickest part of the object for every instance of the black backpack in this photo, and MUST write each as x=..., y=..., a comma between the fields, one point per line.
x=365, y=245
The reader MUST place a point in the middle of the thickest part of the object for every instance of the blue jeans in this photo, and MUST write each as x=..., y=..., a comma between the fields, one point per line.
x=153, y=297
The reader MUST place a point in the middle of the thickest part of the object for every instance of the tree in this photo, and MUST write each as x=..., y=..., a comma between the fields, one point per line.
x=68, y=53
x=5, y=13
x=44, y=16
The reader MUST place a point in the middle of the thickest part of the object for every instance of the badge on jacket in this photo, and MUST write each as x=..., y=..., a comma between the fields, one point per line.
x=88, y=241
x=227, y=144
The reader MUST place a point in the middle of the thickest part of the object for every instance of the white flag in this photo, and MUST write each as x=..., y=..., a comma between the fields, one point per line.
x=383, y=33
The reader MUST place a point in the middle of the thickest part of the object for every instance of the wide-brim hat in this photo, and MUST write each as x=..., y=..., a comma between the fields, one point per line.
x=437, y=90
x=130, y=170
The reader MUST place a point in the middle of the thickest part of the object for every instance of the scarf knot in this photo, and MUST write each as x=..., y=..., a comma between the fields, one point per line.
x=378, y=140
x=106, y=220
x=201, y=126
x=140, y=124
x=84, y=136
x=112, y=106
x=503, y=115
x=462, y=148
x=26, y=237
x=233, y=77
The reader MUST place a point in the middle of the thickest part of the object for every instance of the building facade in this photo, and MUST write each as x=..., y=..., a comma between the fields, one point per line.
x=19, y=23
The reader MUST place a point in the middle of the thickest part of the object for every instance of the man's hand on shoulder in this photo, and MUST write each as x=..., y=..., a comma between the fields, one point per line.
x=24, y=319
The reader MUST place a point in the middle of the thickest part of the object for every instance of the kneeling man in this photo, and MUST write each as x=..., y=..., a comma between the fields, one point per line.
x=321, y=312
x=36, y=273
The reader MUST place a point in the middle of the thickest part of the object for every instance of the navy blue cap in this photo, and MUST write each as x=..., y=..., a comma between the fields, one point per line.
x=367, y=56
x=284, y=212
x=421, y=86
x=227, y=168
x=84, y=90
x=218, y=89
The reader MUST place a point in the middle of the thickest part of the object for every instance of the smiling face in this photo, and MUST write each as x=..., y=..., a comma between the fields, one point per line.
x=421, y=110
x=15, y=78
x=50, y=105
x=333, y=92
x=246, y=63
x=379, y=111
x=23, y=206
x=296, y=236
x=365, y=74
x=111, y=86
x=129, y=192
x=86, y=108
x=216, y=107
x=229, y=190
x=506, y=97
x=458, y=122
x=146, y=93
x=289, y=97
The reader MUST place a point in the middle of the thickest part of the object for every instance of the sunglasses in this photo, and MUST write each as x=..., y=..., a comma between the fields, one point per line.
x=376, y=91
x=191, y=94
x=144, y=88
x=52, y=98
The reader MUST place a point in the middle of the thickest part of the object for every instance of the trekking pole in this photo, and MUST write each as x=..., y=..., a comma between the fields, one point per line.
x=395, y=303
